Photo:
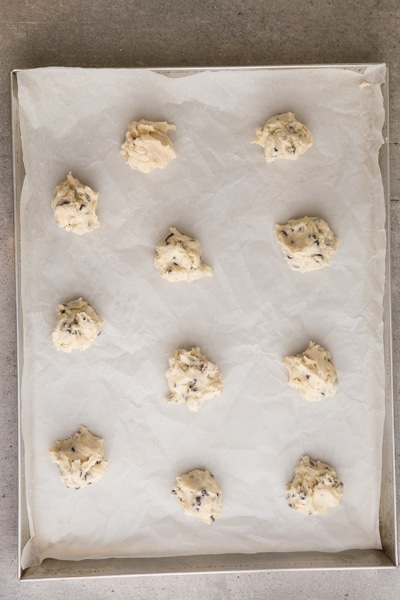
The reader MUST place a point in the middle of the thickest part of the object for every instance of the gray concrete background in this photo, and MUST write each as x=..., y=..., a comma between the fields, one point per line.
x=157, y=33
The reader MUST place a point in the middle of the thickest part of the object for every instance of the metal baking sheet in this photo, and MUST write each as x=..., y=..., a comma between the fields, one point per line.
x=227, y=562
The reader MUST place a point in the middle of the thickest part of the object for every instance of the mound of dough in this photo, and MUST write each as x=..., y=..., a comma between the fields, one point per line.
x=307, y=244
x=199, y=495
x=74, y=206
x=283, y=137
x=77, y=326
x=178, y=258
x=192, y=379
x=147, y=145
x=312, y=373
x=80, y=459
x=315, y=489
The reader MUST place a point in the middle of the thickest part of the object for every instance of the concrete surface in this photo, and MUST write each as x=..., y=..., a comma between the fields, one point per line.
x=151, y=33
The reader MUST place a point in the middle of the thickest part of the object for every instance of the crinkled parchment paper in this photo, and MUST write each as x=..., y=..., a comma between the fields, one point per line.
x=251, y=314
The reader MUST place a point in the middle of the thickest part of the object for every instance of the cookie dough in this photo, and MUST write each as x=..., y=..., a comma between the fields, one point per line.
x=312, y=373
x=74, y=206
x=77, y=326
x=283, y=137
x=315, y=489
x=199, y=495
x=80, y=459
x=192, y=379
x=178, y=258
x=307, y=243
x=147, y=145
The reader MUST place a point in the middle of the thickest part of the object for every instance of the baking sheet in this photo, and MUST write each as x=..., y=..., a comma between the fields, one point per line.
x=251, y=314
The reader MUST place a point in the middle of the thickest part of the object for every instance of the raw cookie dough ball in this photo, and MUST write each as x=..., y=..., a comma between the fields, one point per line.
x=315, y=489
x=192, y=379
x=312, y=373
x=74, y=206
x=199, y=495
x=77, y=326
x=178, y=258
x=147, y=145
x=307, y=244
x=80, y=459
x=283, y=137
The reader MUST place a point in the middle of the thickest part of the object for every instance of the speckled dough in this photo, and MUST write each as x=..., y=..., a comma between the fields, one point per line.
x=77, y=326
x=199, y=495
x=315, y=489
x=74, y=206
x=192, y=379
x=80, y=459
x=178, y=258
x=283, y=137
x=307, y=243
x=312, y=373
x=147, y=145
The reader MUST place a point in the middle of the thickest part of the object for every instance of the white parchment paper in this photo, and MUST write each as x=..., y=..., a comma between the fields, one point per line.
x=251, y=314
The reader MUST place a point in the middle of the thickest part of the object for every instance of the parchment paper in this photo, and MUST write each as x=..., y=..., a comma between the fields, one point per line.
x=251, y=314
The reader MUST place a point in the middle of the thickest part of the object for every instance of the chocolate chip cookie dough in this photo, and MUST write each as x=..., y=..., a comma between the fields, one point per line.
x=312, y=373
x=199, y=495
x=307, y=243
x=147, y=145
x=192, y=379
x=80, y=459
x=283, y=136
x=78, y=325
x=315, y=489
x=178, y=258
x=74, y=206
